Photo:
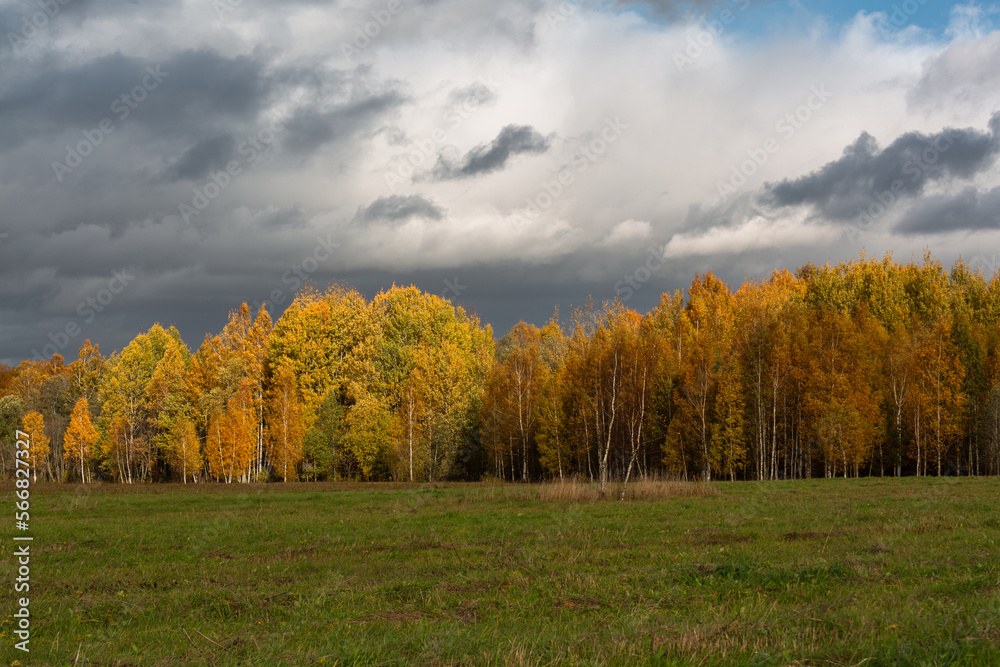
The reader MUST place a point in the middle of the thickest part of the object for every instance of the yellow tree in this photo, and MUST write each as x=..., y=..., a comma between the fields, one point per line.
x=641, y=350
x=184, y=452
x=242, y=347
x=87, y=369
x=315, y=336
x=126, y=410
x=444, y=380
x=42, y=386
x=553, y=444
x=382, y=383
x=229, y=363
x=728, y=448
x=230, y=445
x=366, y=441
x=763, y=330
x=899, y=369
x=936, y=402
x=705, y=332
x=206, y=393
x=606, y=385
x=515, y=386
x=248, y=342
x=285, y=425
x=29, y=377
x=80, y=439
x=665, y=319
x=215, y=456
x=594, y=362
x=167, y=402
x=754, y=349
x=840, y=401
x=405, y=432
x=34, y=425
x=942, y=377
x=554, y=451
x=920, y=406
x=590, y=383
x=241, y=418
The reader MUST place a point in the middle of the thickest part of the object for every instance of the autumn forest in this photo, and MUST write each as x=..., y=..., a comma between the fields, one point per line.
x=866, y=368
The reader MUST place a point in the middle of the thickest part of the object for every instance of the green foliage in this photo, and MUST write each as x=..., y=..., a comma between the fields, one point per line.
x=12, y=410
x=323, y=439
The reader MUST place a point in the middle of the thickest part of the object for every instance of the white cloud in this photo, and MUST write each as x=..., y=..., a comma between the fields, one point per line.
x=627, y=232
x=754, y=234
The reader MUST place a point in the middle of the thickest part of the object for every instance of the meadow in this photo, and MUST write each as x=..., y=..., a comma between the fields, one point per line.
x=810, y=572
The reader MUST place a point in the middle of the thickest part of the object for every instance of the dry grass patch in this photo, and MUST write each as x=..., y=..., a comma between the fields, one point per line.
x=577, y=490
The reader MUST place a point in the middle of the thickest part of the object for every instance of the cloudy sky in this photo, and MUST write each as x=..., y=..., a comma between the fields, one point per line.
x=167, y=160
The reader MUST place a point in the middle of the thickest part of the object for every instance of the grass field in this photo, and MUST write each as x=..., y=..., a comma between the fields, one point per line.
x=824, y=572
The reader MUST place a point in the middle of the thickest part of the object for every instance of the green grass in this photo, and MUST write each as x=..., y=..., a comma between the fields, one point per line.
x=824, y=572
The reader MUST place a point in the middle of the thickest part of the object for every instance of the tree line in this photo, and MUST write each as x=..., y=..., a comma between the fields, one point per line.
x=867, y=367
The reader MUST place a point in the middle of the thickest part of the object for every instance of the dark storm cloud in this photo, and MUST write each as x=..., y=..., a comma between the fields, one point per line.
x=203, y=157
x=904, y=168
x=40, y=99
x=309, y=129
x=205, y=85
x=397, y=208
x=286, y=218
x=484, y=159
x=474, y=95
x=969, y=210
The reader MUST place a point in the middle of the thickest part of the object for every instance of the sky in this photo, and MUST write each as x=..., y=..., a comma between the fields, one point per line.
x=165, y=161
